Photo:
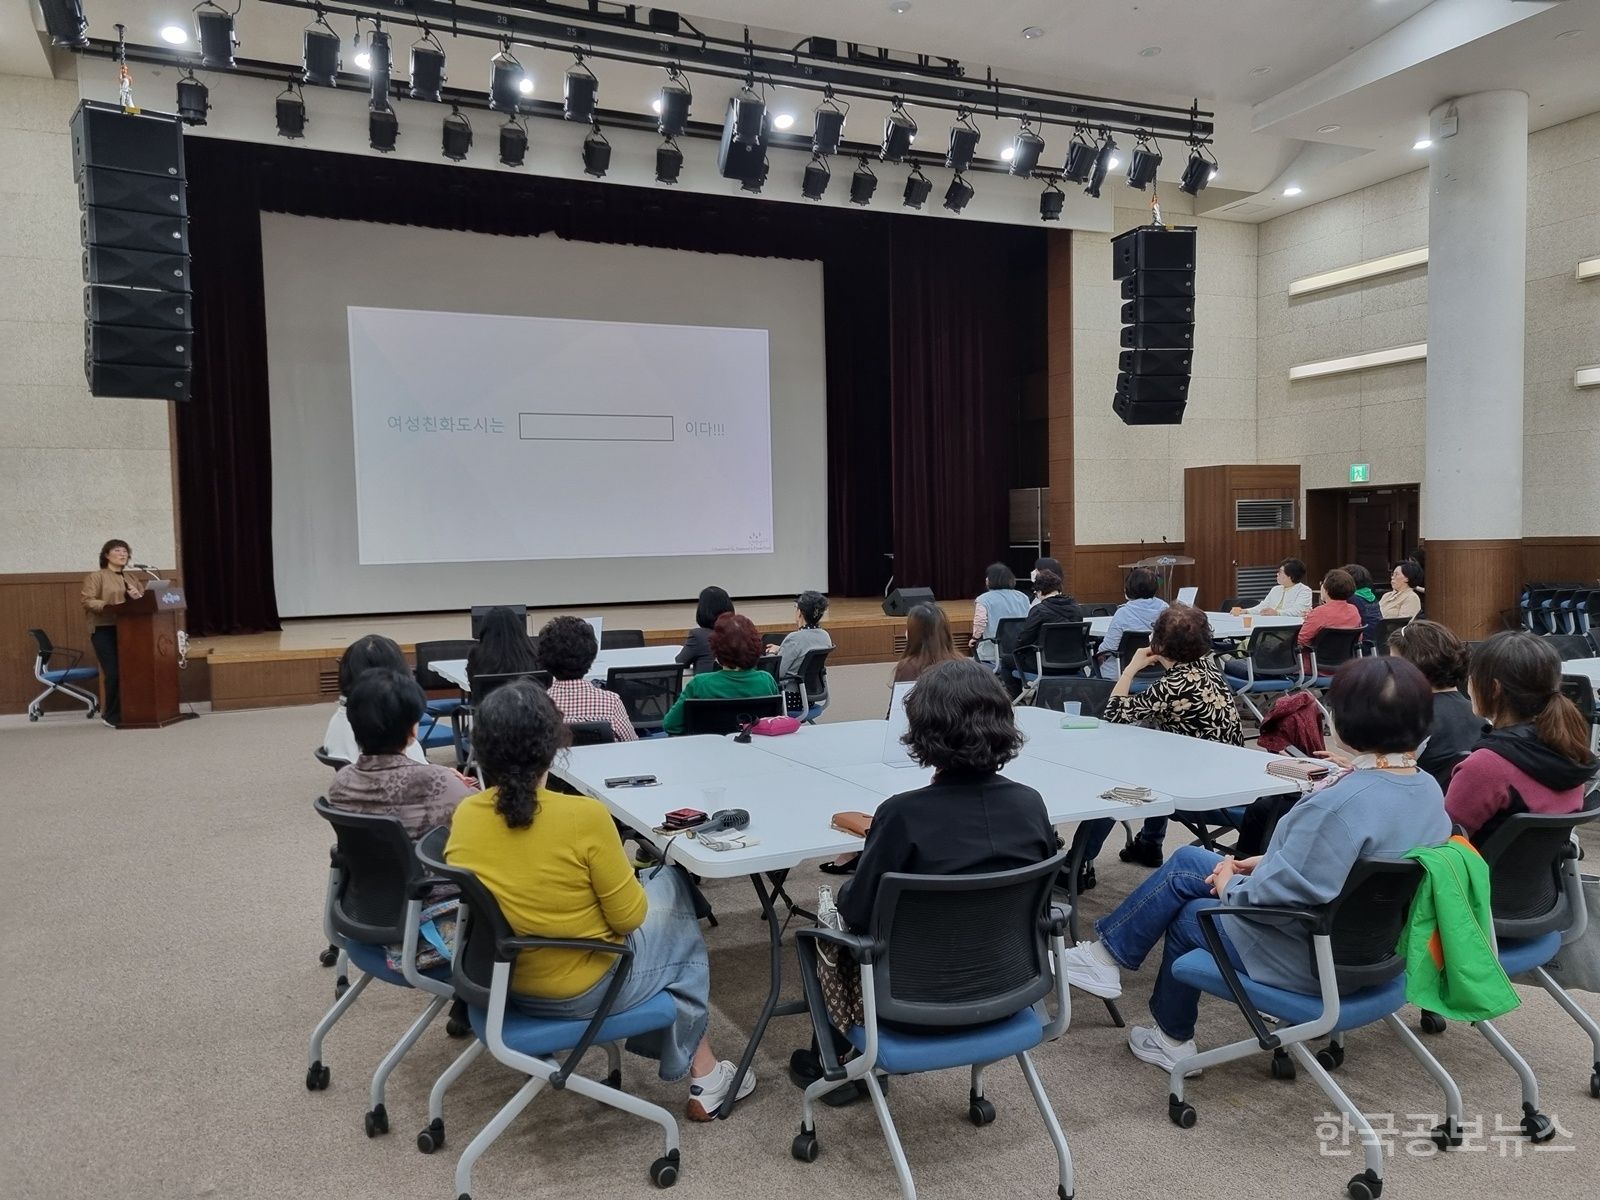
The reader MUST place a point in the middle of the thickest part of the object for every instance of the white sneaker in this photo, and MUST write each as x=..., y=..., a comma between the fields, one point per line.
x=706, y=1096
x=1150, y=1045
x=1091, y=969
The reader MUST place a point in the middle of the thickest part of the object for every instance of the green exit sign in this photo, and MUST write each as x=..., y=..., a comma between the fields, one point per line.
x=1360, y=472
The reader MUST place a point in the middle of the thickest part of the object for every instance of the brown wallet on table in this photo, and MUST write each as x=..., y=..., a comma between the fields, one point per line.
x=853, y=822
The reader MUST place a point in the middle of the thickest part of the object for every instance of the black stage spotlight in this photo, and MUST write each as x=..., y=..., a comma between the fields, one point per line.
x=918, y=186
x=1080, y=159
x=291, y=113
x=1198, y=173
x=427, y=67
x=1051, y=201
x=65, y=23
x=320, y=53
x=748, y=115
x=383, y=127
x=899, y=131
x=1102, y=164
x=963, y=143
x=457, y=135
x=580, y=91
x=754, y=182
x=815, y=180
x=193, y=100
x=669, y=162
x=596, y=153
x=958, y=194
x=213, y=29
x=862, y=184
x=380, y=57
x=505, y=80
x=827, y=130
x=1143, y=163
x=513, y=143
x=1026, y=148
x=674, y=103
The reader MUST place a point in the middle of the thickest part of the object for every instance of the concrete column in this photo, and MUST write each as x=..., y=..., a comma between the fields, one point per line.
x=1477, y=262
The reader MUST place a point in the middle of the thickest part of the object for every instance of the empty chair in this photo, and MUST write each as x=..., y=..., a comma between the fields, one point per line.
x=1386, y=629
x=621, y=639
x=1089, y=693
x=1063, y=649
x=1005, y=643
x=729, y=716
x=806, y=691
x=647, y=693
x=1271, y=666
x=1570, y=645
x=1099, y=610
x=772, y=664
x=431, y=731
x=59, y=680
x=592, y=733
x=1330, y=649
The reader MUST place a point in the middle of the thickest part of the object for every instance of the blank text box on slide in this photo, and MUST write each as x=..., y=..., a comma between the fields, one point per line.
x=594, y=427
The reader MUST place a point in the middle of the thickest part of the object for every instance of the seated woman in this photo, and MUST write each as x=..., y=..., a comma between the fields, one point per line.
x=1536, y=759
x=1041, y=564
x=503, y=646
x=1289, y=597
x=567, y=649
x=364, y=654
x=736, y=644
x=696, y=653
x=1384, y=807
x=928, y=642
x=1335, y=612
x=1138, y=615
x=1000, y=599
x=1365, y=601
x=1191, y=699
x=1051, y=608
x=557, y=868
x=1404, y=597
x=808, y=634
x=1456, y=729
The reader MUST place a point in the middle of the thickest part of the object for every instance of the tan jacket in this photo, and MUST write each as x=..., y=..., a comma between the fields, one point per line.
x=101, y=590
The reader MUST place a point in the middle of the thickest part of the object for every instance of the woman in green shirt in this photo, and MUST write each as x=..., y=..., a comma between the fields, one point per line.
x=737, y=646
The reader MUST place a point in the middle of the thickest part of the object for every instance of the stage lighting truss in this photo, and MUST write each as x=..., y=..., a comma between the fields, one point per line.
x=193, y=100
x=290, y=112
x=1143, y=163
x=675, y=100
x=505, y=80
x=814, y=181
x=1051, y=201
x=669, y=162
x=596, y=152
x=963, y=142
x=1026, y=148
x=427, y=68
x=827, y=124
x=918, y=187
x=513, y=143
x=456, y=138
x=863, y=183
x=1199, y=172
x=213, y=29
x=319, y=56
x=959, y=194
x=899, y=131
x=580, y=91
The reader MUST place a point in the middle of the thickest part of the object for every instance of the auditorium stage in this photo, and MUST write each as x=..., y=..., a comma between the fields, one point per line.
x=300, y=663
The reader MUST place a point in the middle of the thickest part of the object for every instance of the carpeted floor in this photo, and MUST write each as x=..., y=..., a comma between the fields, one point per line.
x=163, y=933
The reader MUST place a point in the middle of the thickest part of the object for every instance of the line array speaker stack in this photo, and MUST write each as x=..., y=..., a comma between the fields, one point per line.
x=138, y=329
x=1156, y=267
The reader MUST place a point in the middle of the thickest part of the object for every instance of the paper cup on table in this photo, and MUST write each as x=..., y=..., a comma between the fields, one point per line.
x=1248, y=620
x=711, y=798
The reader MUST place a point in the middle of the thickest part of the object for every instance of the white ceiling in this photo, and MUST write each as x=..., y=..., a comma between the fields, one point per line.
x=1276, y=72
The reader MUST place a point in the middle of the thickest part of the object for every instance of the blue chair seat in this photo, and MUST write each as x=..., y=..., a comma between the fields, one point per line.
x=435, y=734
x=901, y=1052
x=71, y=673
x=1516, y=957
x=1198, y=969
x=1269, y=684
x=541, y=1037
x=443, y=708
x=371, y=959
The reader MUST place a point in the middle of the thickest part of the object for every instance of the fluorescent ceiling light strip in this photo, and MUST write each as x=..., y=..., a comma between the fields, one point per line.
x=1360, y=362
x=1586, y=377
x=1386, y=265
x=1589, y=268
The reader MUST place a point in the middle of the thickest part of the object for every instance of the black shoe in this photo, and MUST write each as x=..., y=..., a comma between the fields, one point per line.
x=805, y=1068
x=1145, y=853
x=845, y=868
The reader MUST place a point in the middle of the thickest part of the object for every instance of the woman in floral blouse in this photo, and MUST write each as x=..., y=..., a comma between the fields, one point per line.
x=1191, y=698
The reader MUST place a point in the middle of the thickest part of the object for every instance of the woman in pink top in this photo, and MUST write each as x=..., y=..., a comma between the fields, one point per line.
x=1335, y=611
x=1536, y=758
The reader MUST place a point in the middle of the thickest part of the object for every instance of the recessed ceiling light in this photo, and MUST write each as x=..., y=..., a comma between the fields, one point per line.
x=1008, y=154
x=782, y=121
x=656, y=105
x=1212, y=178
x=1150, y=52
x=900, y=6
x=1291, y=190
x=1259, y=70
x=1032, y=31
x=175, y=34
x=1422, y=143
x=1329, y=128
x=525, y=86
x=1113, y=163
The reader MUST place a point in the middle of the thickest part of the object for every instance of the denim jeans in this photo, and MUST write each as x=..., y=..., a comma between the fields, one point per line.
x=1167, y=905
x=1094, y=834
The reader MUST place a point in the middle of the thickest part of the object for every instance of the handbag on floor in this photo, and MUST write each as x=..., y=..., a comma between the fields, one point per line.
x=838, y=973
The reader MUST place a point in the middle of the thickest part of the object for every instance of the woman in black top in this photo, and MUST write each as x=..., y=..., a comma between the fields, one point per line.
x=696, y=653
x=1052, y=608
x=1442, y=657
x=503, y=646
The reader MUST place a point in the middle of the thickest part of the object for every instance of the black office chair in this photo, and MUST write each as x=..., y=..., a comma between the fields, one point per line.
x=438, y=708
x=1006, y=630
x=1386, y=629
x=647, y=693
x=1099, y=610
x=1055, y=691
x=1570, y=645
x=1272, y=667
x=806, y=690
x=729, y=716
x=772, y=664
x=322, y=756
x=332, y=954
x=59, y=681
x=1330, y=650
x=1132, y=642
x=592, y=733
x=621, y=639
x=1063, y=649
x=484, y=686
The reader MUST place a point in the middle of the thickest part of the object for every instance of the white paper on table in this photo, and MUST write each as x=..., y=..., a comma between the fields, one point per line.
x=598, y=625
x=1187, y=595
x=894, y=751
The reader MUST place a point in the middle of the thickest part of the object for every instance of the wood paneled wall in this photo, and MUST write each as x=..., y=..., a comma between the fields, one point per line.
x=1095, y=573
x=1561, y=558
x=1058, y=334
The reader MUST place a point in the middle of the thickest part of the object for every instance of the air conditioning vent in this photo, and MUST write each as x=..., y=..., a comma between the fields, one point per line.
x=1255, y=515
x=328, y=682
x=1251, y=584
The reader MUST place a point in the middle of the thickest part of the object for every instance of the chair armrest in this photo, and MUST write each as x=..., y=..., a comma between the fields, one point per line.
x=74, y=657
x=1055, y=925
x=507, y=949
x=422, y=885
x=863, y=947
x=1210, y=926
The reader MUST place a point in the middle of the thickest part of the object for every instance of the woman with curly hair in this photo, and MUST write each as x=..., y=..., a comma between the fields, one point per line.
x=557, y=869
x=737, y=646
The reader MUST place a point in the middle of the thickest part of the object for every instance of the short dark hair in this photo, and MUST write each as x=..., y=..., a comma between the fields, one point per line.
x=1181, y=633
x=1433, y=650
x=113, y=544
x=811, y=605
x=735, y=642
x=1338, y=584
x=366, y=653
x=1046, y=563
x=516, y=734
x=1380, y=705
x=1412, y=571
x=999, y=577
x=1359, y=575
x=1294, y=569
x=1048, y=581
x=384, y=707
x=1141, y=584
x=959, y=718
x=713, y=603
x=567, y=647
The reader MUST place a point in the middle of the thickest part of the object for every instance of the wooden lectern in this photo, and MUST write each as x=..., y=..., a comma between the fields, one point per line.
x=147, y=655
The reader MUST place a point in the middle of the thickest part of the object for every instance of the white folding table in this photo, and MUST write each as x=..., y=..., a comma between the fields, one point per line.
x=1589, y=668
x=455, y=669
x=1223, y=625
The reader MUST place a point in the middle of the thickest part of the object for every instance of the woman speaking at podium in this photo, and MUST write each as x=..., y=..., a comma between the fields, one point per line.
x=102, y=590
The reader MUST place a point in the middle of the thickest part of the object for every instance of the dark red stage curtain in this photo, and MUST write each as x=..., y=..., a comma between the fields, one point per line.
x=946, y=513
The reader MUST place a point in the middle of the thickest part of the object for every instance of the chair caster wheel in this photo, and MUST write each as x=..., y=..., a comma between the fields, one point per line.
x=33, y=716
x=980, y=1112
x=614, y=1079
x=329, y=956
x=1062, y=1193
x=432, y=1138
x=1282, y=1066
x=377, y=1121
x=1432, y=1022
x=1536, y=1127
x=1448, y=1135
x=804, y=1148
x=664, y=1171
x=1181, y=1113
x=1365, y=1186
x=1331, y=1056
x=340, y=986
x=1594, y=1085
x=316, y=1077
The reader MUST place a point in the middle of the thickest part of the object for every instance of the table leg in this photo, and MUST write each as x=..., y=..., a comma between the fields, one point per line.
x=770, y=1007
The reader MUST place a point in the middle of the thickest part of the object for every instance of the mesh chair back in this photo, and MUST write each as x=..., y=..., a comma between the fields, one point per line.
x=1525, y=855
x=621, y=639
x=1386, y=627
x=484, y=686
x=1006, y=630
x=432, y=652
x=1569, y=645
x=729, y=716
x=1334, y=648
x=1064, y=648
x=1272, y=650
x=379, y=864
x=1580, y=691
x=1099, y=610
x=1365, y=920
x=41, y=639
x=813, y=672
x=1131, y=643
x=1090, y=693
x=592, y=733
x=770, y=663
x=646, y=692
x=479, y=925
x=962, y=949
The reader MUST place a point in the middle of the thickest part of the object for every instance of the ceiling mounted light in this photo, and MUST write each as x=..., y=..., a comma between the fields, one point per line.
x=290, y=111
x=747, y=113
x=783, y=121
x=213, y=27
x=383, y=127
x=673, y=105
x=827, y=130
x=596, y=152
x=64, y=22
x=1329, y=128
x=1026, y=148
x=963, y=142
x=456, y=138
x=513, y=143
x=899, y=131
x=863, y=183
x=427, y=68
x=1051, y=201
x=175, y=35
x=669, y=162
x=1081, y=154
x=1292, y=190
x=580, y=90
x=918, y=188
x=814, y=181
x=1105, y=159
x=506, y=79
x=1032, y=32
x=319, y=53
x=193, y=100
x=756, y=179
x=1199, y=172
x=959, y=194
x=1143, y=163
x=1422, y=143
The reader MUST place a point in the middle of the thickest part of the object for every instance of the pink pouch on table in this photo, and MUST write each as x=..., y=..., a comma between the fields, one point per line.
x=774, y=726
